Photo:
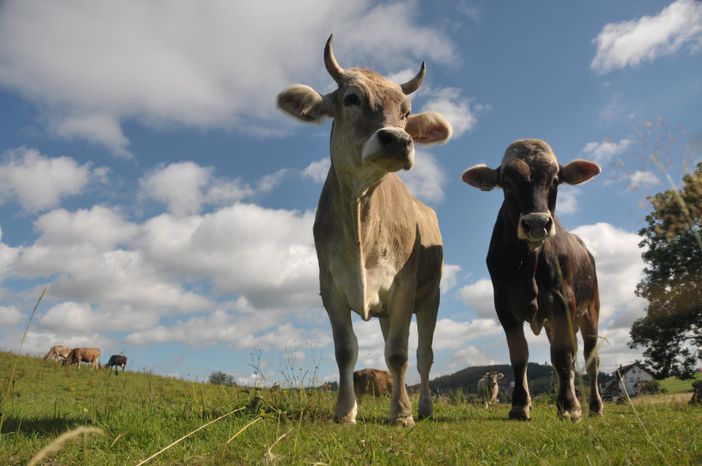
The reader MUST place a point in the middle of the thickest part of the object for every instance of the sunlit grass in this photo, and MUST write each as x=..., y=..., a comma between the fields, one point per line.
x=142, y=414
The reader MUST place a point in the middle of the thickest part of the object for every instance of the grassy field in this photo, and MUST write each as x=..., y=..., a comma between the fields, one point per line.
x=141, y=413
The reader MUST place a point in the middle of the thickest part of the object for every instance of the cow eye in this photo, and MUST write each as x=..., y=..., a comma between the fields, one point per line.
x=406, y=115
x=351, y=100
x=556, y=181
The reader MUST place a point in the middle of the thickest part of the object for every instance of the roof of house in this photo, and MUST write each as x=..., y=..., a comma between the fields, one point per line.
x=624, y=369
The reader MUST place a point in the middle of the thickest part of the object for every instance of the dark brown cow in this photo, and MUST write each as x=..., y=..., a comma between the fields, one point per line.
x=541, y=273
x=117, y=360
x=379, y=249
x=374, y=382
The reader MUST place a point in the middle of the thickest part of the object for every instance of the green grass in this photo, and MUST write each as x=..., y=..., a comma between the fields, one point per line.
x=142, y=413
x=676, y=385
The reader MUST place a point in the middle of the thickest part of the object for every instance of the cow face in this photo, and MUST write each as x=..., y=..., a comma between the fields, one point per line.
x=374, y=131
x=492, y=378
x=529, y=177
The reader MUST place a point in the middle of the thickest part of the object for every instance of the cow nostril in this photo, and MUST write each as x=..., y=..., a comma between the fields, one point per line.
x=525, y=225
x=549, y=224
x=385, y=137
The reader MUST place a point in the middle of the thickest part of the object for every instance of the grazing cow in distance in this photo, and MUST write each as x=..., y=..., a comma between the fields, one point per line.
x=540, y=273
x=57, y=352
x=78, y=355
x=488, y=387
x=379, y=249
x=117, y=360
x=374, y=382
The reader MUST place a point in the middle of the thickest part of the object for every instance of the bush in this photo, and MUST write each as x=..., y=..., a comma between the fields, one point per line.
x=221, y=378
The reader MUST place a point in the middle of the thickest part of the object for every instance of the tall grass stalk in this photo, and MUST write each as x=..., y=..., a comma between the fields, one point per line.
x=61, y=440
x=638, y=418
x=11, y=381
x=188, y=435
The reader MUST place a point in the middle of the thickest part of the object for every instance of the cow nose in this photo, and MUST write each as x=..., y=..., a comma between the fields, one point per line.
x=386, y=137
x=537, y=226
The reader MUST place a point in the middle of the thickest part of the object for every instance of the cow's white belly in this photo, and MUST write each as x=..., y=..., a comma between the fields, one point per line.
x=365, y=289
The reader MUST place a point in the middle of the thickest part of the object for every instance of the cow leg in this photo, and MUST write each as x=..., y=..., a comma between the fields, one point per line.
x=426, y=323
x=346, y=352
x=588, y=329
x=519, y=357
x=396, y=350
x=563, y=349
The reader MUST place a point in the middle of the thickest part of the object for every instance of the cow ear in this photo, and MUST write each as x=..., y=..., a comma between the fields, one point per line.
x=500, y=376
x=429, y=128
x=304, y=103
x=482, y=177
x=578, y=171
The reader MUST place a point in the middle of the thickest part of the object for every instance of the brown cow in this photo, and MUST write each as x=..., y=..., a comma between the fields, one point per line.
x=541, y=273
x=374, y=382
x=78, y=355
x=57, y=352
x=117, y=360
x=488, y=388
x=379, y=249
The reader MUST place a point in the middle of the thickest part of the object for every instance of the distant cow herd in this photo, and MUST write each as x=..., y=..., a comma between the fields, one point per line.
x=76, y=356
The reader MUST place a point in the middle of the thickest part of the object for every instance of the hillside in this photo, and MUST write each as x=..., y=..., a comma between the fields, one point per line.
x=140, y=414
x=541, y=378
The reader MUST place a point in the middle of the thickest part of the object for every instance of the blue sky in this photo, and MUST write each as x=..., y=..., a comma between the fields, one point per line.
x=147, y=178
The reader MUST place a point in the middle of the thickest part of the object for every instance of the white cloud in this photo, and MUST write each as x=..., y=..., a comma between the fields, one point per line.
x=317, y=170
x=238, y=331
x=265, y=254
x=469, y=356
x=614, y=349
x=178, y=185
x=630, y=43
x=10, y=316
x=567, y=200
x=206, y=75
x=642, y=178
x=479, y=296
x=456, y=109
x=71, y=318
x=185, y=187
x=449, y=277
x=605, y=151
x=100, y=226
x=619, y=267
x=38, y=182
x=426, y=179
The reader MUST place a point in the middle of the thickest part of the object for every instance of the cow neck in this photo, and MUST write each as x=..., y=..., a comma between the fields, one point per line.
x=521, y=259
x=354, y=208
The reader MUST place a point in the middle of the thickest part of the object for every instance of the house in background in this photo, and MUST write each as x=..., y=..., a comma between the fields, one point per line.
x=635, y=379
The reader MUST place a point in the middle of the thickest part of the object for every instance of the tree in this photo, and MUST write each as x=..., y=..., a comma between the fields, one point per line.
x=221, y=378
x=671, y=330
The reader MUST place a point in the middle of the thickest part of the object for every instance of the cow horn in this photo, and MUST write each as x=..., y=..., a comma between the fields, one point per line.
x=414, y=83
x=334, y=69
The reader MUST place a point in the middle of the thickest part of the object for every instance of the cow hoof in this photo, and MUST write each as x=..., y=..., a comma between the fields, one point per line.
x=519, y=413
x=345, y=420
x=574, y=415
x=425, y=409
x=403, y=421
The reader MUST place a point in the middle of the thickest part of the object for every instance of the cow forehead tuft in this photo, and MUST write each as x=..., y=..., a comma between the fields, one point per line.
x=530, y=151
x=377, y=87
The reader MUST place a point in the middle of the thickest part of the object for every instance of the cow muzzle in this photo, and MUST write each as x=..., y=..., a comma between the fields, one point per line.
x=390, y=147
x=534, y=228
